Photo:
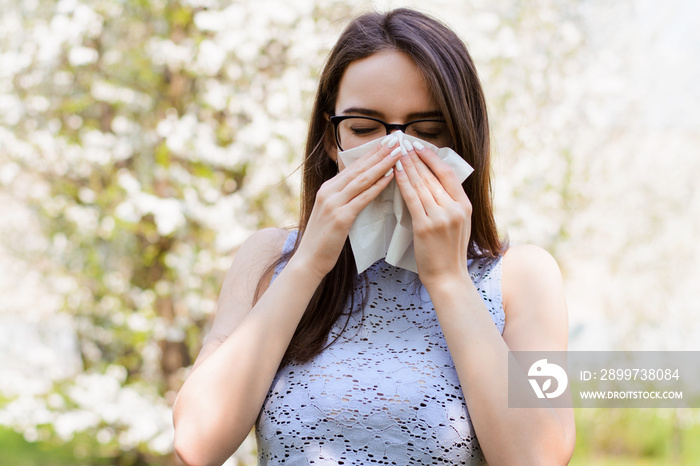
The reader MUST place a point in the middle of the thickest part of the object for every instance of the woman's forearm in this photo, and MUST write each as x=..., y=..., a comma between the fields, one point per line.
x=220, y=401
x=506, y=435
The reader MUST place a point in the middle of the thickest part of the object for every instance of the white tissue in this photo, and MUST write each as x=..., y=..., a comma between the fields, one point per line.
x=384, y=229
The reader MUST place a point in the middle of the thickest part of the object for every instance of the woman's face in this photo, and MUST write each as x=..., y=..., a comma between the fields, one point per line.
x=387, y=85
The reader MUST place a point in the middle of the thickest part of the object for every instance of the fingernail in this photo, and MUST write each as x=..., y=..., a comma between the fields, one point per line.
x=396, y=151
x=418, y=145
x=403, y=149
x=391, y=170
x=407, y=145
x=392, y=141
x=399, y=167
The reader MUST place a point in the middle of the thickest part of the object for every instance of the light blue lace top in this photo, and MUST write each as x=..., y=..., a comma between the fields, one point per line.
x=386, y=392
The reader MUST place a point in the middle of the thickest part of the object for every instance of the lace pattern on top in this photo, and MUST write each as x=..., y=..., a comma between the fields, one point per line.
x=386, y=392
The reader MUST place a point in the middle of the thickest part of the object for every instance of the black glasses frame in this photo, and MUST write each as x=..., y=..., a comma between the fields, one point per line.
x=336, y=120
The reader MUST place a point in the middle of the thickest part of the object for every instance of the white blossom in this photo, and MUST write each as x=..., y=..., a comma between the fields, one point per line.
x=79, y=56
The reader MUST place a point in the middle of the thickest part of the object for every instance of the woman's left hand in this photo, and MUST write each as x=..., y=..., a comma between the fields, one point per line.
x=441, y=215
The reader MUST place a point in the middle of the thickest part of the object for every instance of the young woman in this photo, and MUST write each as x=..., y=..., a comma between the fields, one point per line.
x=388, y=366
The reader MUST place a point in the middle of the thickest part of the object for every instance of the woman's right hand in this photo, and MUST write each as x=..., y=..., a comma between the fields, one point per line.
x=337, y=204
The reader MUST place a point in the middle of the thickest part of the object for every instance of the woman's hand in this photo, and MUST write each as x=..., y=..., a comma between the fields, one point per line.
x=440, y=212
x=338, y=202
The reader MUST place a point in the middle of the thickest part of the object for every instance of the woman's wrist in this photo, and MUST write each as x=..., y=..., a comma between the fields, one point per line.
x=448, y=283
x=302, y=265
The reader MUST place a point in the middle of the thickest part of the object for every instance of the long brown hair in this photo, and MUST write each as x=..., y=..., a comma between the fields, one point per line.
x=450, y=74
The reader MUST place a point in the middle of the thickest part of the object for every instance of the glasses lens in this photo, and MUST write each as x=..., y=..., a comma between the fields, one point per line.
x=434, y=132
x=353, y=132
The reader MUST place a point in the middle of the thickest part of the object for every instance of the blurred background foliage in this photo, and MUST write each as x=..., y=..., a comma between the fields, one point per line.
x=142, y=141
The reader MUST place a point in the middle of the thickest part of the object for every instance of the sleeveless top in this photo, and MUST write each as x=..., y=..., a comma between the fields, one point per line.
x=386, y=392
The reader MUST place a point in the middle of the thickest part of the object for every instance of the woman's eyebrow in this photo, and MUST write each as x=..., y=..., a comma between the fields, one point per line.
x=426, y=115
x=362, y=111
x=377, y=114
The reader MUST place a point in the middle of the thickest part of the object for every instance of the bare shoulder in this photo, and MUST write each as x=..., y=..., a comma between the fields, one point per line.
x=268, y=241
x=531, y=264
x=250, y=272
x=533, y=300
x=251, y=262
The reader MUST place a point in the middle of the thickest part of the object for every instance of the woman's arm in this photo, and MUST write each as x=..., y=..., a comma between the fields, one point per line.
x=535, y=318
x=219, y=402
x=221, y=399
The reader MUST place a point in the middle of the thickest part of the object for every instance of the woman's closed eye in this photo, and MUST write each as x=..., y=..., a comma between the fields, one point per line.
x=425, y=135
x=429, y=130
x=365, y=129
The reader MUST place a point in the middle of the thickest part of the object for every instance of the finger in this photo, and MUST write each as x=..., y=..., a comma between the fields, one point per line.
x=366, y=160
x=443, y=172
x=441, y=196
x=363, y=173
x=363, y=199
x=409, y=194
x=385, y=146
x=421, y=188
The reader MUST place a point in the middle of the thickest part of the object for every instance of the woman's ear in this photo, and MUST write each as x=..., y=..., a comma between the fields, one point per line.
x=329, y=140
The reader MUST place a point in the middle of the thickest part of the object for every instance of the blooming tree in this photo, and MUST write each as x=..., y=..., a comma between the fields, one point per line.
x=150, y=139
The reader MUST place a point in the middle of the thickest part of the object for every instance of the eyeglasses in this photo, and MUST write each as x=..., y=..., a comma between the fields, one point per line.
x=352, y=131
